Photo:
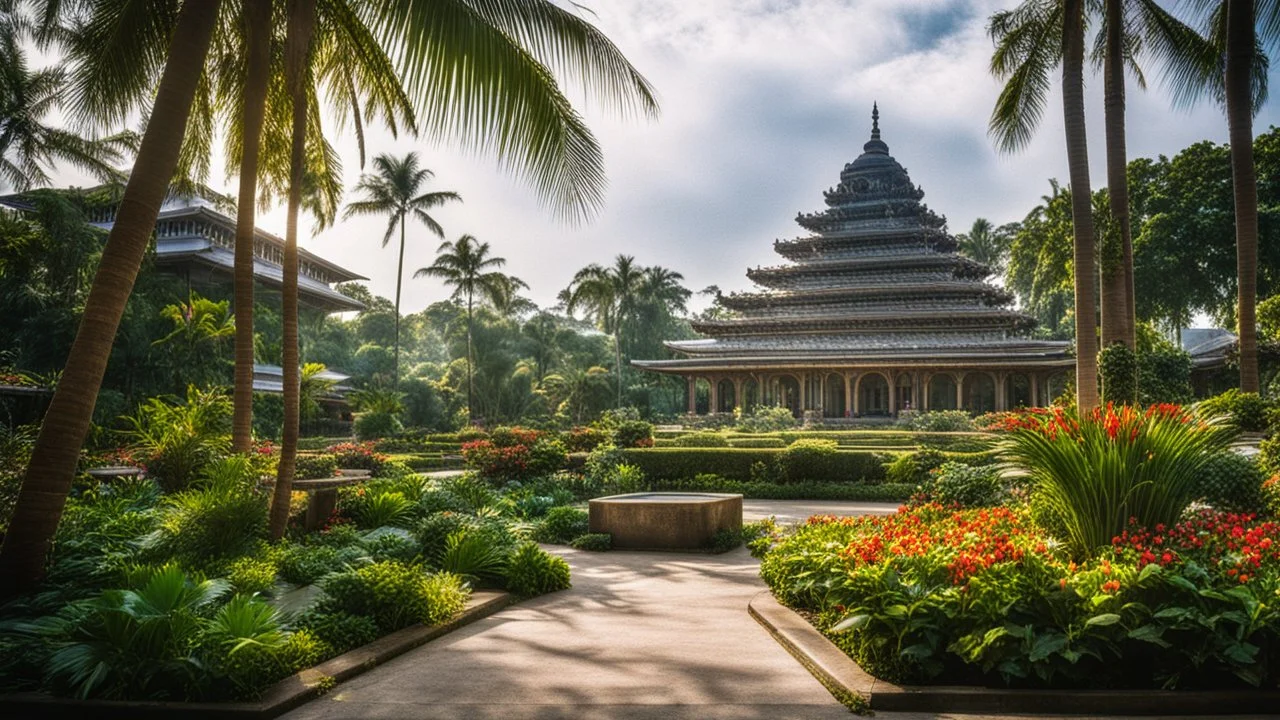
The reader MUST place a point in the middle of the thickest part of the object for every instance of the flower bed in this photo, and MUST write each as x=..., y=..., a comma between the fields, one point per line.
x=934, y=595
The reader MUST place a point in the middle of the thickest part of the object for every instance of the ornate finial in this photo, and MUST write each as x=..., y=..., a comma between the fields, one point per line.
x=875, y=121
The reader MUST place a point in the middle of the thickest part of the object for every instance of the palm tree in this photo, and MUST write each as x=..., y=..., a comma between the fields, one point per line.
x=256, y=15
x=393, y=189
x=986, y=244
x=609, y=296
x=1240, y=51
x=1030, y=40
x=467, y=267
x=301, y=26
x=57, y=449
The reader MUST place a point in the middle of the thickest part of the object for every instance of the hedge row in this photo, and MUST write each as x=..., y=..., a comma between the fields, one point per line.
x=420, y=462
x=887, y=492
x=736, y=464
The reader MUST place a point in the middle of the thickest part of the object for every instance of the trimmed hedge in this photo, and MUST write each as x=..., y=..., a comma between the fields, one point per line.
x=736, y=464
x=887, y=492
x=420, y=462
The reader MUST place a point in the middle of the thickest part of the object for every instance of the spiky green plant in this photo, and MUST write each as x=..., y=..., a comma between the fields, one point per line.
x=1098, y=470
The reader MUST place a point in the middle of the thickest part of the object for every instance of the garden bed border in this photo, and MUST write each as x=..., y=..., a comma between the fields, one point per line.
x=844, y=678
x=276, y=700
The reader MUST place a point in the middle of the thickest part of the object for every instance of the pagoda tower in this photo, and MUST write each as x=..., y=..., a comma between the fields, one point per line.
x=872, y=313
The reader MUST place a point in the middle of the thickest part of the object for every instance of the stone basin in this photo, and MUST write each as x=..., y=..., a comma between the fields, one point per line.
x=665, y=521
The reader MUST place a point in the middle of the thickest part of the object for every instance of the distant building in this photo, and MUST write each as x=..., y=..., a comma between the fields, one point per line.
x=874, y=313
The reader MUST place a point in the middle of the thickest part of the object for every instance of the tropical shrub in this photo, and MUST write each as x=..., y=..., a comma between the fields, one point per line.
x=474, y=556
x=339, y=630
x=765, y=419
x=1098, y=470
x=534, y=571
x=942, y=421
x=306, y=564
x=245, y=647
x=1118, y=374
x=914, y=467
x=177, y=440
x=957, y=484
x=592, y=542
x=736, y=463
x=633, y=434
x=316, y=466
x=1230, y=481
x=1164, y=375
x=378, y=508
x=519, y=460
x=250, y=575
x=701, y=440
x=391, y=543
x=1246, y=411
x=434, y=531
x=561, y=525
x=375, y=425
x=585, y=439
x=394, y=595
x=808, y=459
x=765, y=490
x=222, y=517
x=357, y=456
x=936, y=595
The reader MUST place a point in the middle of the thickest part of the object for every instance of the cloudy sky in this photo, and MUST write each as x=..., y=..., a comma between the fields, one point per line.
x=763, y=101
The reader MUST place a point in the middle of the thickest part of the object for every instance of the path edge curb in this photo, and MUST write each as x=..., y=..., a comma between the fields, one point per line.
x=845, y=679
x=278, y=699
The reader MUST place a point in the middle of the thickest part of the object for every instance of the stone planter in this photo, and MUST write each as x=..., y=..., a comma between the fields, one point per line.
x=665, y=521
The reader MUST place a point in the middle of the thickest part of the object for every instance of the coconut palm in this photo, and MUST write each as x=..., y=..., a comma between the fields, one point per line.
x=467, y=267
x=987, y=244
x=57, y=449
x=394, y=189
x=609, y=297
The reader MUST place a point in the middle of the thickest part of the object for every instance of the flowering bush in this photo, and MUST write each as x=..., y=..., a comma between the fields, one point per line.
x=936, y=595
x=118, y=457
x=633, y=434
x=585, y=439
x=1095, y=471
x=357, y=456
x=515, y=462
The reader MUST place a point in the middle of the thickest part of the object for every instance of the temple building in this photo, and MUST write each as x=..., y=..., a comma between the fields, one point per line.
x=872, y=313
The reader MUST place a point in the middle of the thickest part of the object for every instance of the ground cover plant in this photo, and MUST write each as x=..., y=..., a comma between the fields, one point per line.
x=1037, y=586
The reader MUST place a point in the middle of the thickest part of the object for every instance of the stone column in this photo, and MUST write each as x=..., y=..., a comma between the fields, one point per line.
x=857, y=395
x=693, y=395
x=893, y=393
x=1035, y=390
x=822, y=395
x=848, y=394
x=959, y=391
x=714, y=407
x=738, y=402
x=1002, y=402
x=804, y=392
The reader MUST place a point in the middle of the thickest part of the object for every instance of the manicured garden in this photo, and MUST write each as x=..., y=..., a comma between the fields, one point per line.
x=1125, y=548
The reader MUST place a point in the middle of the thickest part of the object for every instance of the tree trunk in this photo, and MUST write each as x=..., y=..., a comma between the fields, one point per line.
x=57, y=449
x=1240, y=50
x=1081, y=207
x=1118, y=323
x=471, y=387
x=617, y=354
x=395, y=365
x=257, y=20
x=297, y=54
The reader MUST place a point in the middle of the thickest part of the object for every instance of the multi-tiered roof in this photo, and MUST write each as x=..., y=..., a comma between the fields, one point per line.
x=878, y=278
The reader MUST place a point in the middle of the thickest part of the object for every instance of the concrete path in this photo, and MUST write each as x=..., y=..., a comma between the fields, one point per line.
x=640, y=635
x=793, y=511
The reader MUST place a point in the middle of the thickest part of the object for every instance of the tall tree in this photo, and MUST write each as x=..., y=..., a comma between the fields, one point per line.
x=467, y=267
x=393, y=189
x=609, y=296
x=57, y=449
x=256, y=19
x=301, y=26
x=1030, y=40
x=1241, y=49
x=987, y=244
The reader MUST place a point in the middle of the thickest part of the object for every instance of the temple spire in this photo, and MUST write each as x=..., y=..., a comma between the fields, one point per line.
x=875, y=145
x=875, y=121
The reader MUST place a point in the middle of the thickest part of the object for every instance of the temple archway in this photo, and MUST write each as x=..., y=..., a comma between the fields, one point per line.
x=750, y=395
x=787, y=393
x=979, y=392
x=726, y=400
x=1017, y=391
x=903, y=392
x=702, y=396
x=942, y=392
x=873, y=394
x=833, y=398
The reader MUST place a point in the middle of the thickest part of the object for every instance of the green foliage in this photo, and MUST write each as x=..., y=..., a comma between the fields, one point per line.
x=1230, y=481
x=592, y=542
x=394, y=595
x=434, y=531
x=1099, y=470
x=808, y=460
x=250, y=575
x=561, y=526
x=1118, y=374
x=633, y=434
x=736, y=463
x=942, y=421
x=322, y=465
x=726, y=539
x=246, y=647
x=766, y=419
x=375, y=425
x=177, y=440
x=914, y=467
x=967, y=486
x=474, y=556
x=764, y=490
x=1247, y=412
x=701, y=440
x=1164, y=375
x=377, y=509
x=15, y=453
x=339, y=630
x=534, y=571
x=391, y=543
x=222, y=517
x=305, y=564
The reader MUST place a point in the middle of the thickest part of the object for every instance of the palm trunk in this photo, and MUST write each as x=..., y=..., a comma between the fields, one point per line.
x=57, y=449
x=395, y=364
x=617, y=355
x=1117, y=264
x=471, y=383
x=297, y=51
x=1081, y=207
x=1240, y=50
x=257, y=20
